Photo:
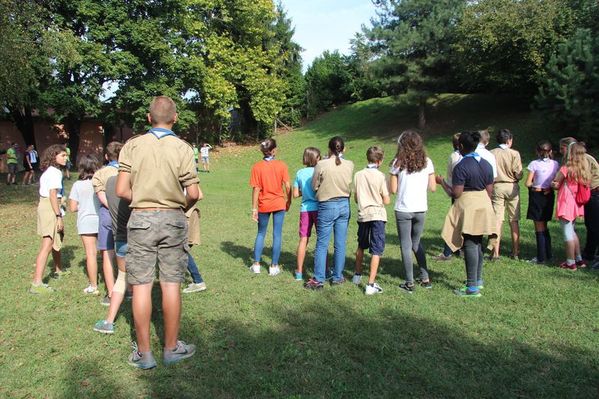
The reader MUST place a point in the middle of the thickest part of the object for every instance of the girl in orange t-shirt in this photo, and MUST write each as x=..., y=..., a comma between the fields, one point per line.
x=271, y=194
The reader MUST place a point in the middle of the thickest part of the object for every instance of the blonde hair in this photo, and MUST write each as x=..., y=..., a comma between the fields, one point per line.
x=163, y=110
x=577, y=164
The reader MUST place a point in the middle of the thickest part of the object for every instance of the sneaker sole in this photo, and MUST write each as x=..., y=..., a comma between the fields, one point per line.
x=141, y=366
x=104, y=332
x=187, y=291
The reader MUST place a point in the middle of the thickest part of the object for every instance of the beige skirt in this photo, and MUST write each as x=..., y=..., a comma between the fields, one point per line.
x=46, y=223
x=193, y=223
x=472, y=213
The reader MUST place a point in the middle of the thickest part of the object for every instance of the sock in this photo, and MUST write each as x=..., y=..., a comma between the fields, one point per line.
x=541, y=246
x=578, y=258
x=548, y=253
x=570, y=261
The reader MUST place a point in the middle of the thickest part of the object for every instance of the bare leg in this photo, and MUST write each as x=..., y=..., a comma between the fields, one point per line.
x=359, y=260
x=142, y=313
x=515, y=227
x=107, y=257
x=301, y=253
x=171, y=310
x=117, y=297
x=498, y=241
x=374, y=267
x=91, y=261
x=540, y=226
x=56, y=258
x=42, y=258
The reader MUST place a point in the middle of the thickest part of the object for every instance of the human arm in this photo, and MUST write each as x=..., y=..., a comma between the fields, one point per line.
x=558, y=180
x=432, y=183
x=393, y=184
x=287, y=189
x=54, y=203
x=123, y=186
x=296, y=192
x=457, y=190
x=530, y=178
x=73, y=205
x=102, y=197
x=255, y=195
x=193, y=194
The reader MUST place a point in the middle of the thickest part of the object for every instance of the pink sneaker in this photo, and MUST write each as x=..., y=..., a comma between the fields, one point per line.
x=565, y=265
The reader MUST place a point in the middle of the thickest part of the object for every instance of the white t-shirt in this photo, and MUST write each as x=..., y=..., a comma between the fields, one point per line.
x=487, y=156
x=204, y=151
x=412, y=191
x=88, y=204
x=51, y=179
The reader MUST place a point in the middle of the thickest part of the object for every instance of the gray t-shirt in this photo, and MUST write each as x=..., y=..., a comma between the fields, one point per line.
x=88, y=206
x=119, y=210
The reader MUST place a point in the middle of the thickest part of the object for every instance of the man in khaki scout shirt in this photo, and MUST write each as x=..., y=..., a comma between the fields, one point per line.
x=154, y=170
x=506, y=190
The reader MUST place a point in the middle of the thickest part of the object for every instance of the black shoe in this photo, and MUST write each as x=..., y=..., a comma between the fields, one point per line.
x=407, y=288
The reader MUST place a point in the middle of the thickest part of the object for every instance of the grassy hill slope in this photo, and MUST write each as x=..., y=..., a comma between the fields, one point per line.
x=532, y=334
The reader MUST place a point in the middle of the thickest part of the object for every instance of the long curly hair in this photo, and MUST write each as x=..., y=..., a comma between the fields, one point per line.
x=411, y=155
x=49, y=156
x=577, y=164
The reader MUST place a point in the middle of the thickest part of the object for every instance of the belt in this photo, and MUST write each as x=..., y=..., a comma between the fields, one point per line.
x=155, y=209
x=540, y=190
x=595, y=190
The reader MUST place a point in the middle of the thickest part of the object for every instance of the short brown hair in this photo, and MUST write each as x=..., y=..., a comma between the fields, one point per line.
x=163, y=110
x=374, y=154
x=113, y=149
x=485, y=136
x=455, y=141
x=49, y=156
x=311, y=156
x=88, y=165
x=267, y=146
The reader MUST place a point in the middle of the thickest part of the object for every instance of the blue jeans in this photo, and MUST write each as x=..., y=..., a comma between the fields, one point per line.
x=333, y=217
x=277, y=232
x=196, y=277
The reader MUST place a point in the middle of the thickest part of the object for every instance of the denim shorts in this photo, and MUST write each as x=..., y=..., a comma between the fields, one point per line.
x=120, y=248
x=371, y=236
x=157, y=237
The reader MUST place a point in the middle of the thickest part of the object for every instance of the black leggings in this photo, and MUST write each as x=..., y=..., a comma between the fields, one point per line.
x=473, y=255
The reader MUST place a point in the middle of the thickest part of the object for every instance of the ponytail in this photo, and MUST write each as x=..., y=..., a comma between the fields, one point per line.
x=336, y=147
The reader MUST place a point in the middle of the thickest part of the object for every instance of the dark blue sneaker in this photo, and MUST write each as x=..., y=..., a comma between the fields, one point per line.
x=465, y=292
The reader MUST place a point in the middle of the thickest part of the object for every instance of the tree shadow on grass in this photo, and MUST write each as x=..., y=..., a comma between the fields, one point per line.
x=332, y=350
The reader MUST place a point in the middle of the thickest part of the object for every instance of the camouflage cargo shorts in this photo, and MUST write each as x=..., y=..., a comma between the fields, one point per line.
x=157, y=237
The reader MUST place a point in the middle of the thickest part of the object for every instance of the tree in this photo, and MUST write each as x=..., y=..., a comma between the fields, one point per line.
x=569, y=92
x=328, y=82
x=504, y=45
x=412, y=40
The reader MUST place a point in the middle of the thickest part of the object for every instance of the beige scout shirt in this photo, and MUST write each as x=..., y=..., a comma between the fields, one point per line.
x=101, y=177
x=371, y=187
x=160, y=169
x=594, y=171
x=331, y=180
x=509, y=165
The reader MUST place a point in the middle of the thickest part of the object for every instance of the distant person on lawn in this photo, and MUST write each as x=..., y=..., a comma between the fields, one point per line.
x=205, y=154
x=371, y=195
x=105, y=233
x=84, y=201
x=50, y=225
x=12, y=164
x=541, y=198
x=271, y=195
x=506, y=190
x=332, y=182
x=471, y=216
x=154, y=170
x=302, y=187
x=412, y=176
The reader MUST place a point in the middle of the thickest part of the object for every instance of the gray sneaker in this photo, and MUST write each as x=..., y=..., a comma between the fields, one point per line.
x=141, y=361
x=104, y=327
x=105, y=301
x=40, y=289
x=193, y=287
x=181, y=352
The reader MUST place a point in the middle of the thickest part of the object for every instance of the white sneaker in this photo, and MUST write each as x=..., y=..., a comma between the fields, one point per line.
x=373, y=289
x=193, y=287
x=356, y=279
x=91, y=290
x=255, y=269
x=274, y=270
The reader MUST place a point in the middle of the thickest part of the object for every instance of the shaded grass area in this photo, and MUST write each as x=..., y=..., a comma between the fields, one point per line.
x=534, y=333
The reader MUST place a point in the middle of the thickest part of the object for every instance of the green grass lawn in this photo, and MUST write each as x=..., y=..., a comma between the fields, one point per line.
x=533, y=334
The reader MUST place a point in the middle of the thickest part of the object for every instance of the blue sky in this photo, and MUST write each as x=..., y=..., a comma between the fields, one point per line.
x=327, y=24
